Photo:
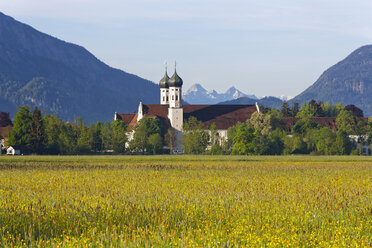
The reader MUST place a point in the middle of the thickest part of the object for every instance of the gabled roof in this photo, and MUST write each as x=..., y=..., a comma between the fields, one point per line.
x=224, y=116
x=126, y=118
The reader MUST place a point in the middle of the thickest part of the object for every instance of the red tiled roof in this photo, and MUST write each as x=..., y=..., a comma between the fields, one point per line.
x=155, y=110
x=126, y=118
x=224, y=116
x=133, y=121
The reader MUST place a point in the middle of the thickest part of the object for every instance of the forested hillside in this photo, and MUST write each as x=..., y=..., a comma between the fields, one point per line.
x=63, y=78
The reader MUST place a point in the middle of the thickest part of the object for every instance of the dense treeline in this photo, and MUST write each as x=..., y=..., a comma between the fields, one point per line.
x=37, y=134
x=48, y=134
x=264, y=134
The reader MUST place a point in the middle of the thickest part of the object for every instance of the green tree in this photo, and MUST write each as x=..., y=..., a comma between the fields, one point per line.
x=170, y=139
x=325, y=140
x=294, y=145
x=295, y=109
x=346, y=121
x=231, y=132
x=96, y=133
x=119, y=136
x=261, y=122
x=216, y=148
x=243, y=140
x=303, y=125
x=276, y=142
x=106, y=135
x=68, y=139
x=143, y=130
x=343, y=145
x=37, y=133
x=155, y=143
x=20, y=134
x=53, y=127
x=195, y=138
x=312, y=109
x=84, y=137
x=285, y=111
x=331, y=110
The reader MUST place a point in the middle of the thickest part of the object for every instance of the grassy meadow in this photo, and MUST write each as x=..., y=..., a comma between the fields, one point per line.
x=185, y=201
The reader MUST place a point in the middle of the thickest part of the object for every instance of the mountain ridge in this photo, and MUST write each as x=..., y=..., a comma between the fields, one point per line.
x=197, y=94
x=348, y=81
x=37, y=69
x=267, y=101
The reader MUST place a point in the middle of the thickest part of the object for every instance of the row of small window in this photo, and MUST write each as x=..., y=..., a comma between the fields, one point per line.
x=172, y=90
x=172, y=98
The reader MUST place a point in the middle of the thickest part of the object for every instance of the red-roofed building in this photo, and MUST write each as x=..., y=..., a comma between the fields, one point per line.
x=172, y=113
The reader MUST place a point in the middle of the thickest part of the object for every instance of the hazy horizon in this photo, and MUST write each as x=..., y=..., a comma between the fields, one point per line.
x=271, y=48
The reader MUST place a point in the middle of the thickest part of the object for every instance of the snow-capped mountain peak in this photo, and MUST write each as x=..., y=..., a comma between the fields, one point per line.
x=197, y=94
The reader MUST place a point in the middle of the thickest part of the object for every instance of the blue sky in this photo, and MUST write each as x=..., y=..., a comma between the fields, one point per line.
x=267, y=47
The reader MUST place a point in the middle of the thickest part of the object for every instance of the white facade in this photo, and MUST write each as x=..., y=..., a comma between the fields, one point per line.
x=175, y=97
x=360, y=142
x=164, y=98
x=175, y=116
x=140, y=112
x=13, y=151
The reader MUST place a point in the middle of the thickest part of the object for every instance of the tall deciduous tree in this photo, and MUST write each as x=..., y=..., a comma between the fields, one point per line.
x=343, y=145
x=303, y=125
x=325, y=141
x=96, y=132
x=20, y=134
x=119, y=136
x=243, y=140
x=36, y=141
x=170, y=139
x=53, y=128
x=346, y=121
x=84, y=137
x=310, y=110
x=155, y=143
x=143, y=130
x=261, y=122
x=195, y=138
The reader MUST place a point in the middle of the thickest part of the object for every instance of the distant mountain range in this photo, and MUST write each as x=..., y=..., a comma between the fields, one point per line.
x=267, y=101
x=37, y=69
x=347, y=82
x=63, y=78
x=196, y=94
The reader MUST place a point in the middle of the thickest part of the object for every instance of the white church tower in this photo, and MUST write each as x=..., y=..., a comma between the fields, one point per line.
x=175, y=110
x=164, y=88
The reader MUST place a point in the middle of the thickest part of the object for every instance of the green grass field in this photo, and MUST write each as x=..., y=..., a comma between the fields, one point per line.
x=185, y=201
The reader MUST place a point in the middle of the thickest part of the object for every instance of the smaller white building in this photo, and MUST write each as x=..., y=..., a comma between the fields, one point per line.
x=360, y=142
x=13, y=151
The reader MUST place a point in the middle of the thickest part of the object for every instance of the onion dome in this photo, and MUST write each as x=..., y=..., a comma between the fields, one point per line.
x=175, y=80
x=164, y=81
